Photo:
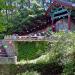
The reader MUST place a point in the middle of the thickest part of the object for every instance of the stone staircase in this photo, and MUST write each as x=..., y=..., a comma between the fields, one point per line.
x=8, y=60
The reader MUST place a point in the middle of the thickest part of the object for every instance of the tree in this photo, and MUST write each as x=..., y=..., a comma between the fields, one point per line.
x=26, y=15
x=6, y=9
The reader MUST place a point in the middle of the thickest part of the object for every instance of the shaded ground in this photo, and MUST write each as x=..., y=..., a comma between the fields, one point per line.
x=43, y=69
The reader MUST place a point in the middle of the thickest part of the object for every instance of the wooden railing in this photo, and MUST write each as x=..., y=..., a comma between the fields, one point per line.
x=31, y=38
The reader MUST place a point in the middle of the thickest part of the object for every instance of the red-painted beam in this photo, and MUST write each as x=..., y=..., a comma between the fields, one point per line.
x=69, y=22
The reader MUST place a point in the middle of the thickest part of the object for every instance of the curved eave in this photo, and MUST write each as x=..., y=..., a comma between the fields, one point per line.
x=68, y=5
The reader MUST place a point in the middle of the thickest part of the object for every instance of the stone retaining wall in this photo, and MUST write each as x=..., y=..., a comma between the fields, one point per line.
x=8, y=60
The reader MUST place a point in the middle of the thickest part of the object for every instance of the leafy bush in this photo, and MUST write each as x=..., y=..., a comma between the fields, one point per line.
x=26, y=17
x=66, y=48
x=29, y=73
x=63, y=52
x=60, y=58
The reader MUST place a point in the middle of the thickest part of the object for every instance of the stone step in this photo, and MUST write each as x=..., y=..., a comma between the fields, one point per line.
x=3, y=55
x=8, y=60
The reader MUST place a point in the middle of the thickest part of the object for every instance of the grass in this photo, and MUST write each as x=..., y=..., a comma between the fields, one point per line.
x=30, y=50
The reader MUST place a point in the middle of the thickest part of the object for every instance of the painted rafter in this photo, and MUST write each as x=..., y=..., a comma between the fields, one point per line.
x=61, y=3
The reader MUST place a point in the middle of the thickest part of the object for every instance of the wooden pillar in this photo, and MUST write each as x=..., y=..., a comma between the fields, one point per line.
x=69, y=22
x=53, y=27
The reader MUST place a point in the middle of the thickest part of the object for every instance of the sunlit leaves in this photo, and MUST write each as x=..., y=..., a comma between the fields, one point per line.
x=2, y=28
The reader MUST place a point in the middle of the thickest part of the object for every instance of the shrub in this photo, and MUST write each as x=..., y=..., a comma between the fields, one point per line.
x=66, y=48
x=29, y=73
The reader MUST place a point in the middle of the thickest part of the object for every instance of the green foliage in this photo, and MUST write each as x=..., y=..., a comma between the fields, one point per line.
x=30, y=50
x=29, y=73
x=66, y=48
x=5, y=6
x=2, y=28
x=61, y=52
x=2, y=24
x=37, y=8
x=26, y=15
x=15, y=17
x=1, y=36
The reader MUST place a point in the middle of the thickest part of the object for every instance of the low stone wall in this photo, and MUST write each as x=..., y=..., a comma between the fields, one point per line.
x=11, y=50
x=28, y=38
x=8, y=60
